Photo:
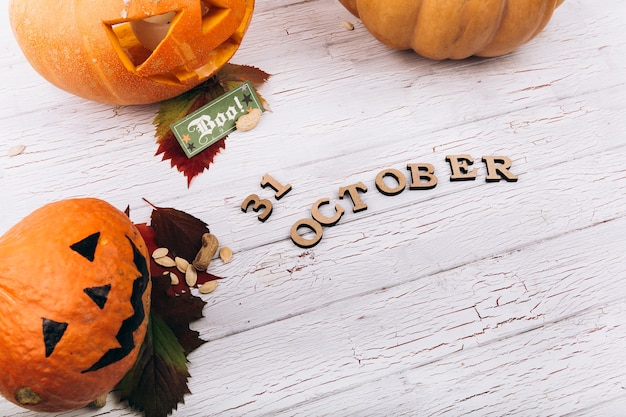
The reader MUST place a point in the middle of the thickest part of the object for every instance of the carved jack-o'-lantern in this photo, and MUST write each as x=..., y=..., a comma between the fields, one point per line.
x=74, y=304
x=129, y=51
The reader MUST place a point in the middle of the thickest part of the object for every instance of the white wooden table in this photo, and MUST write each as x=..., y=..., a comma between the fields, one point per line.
x=471, y=298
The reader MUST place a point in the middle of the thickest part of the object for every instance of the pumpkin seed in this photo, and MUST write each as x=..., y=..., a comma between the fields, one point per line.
x=159, y=253
x=15, y=150
x=191, y=276
x=208, y=287
x=174, y=279
x=347, y=25
x=226, y=254
x=181, y=263
x=165, y=261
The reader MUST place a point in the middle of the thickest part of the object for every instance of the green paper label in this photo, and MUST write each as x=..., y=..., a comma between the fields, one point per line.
x=212, y=122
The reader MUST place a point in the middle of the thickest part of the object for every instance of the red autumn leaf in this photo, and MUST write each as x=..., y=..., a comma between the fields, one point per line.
x=157, y=270
x=177, y=231
x=178, y=312
x=189, y=167
x=177, y=108
x=232, y=75
x=234, y=72
x=157, y=382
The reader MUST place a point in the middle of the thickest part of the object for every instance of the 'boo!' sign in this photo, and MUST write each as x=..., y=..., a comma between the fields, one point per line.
x=389, y=182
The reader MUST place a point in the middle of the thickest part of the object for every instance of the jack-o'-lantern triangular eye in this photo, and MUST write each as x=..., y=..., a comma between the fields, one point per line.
x=87, y=246
x=98, y=295
x=52, y=333
x=172, y=47
x=135, y=41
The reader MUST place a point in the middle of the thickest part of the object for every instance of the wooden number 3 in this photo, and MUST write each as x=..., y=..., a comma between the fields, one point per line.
x=258, y=204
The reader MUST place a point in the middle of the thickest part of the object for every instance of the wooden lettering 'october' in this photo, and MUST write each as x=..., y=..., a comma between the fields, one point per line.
x=389, y=182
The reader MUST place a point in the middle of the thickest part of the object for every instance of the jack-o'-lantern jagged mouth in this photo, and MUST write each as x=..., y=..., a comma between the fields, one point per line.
x=128, y=327
x=142, y=44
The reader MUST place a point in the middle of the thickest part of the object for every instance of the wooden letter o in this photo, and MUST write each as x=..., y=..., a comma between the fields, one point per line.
x=397, y=175
x=311, y=224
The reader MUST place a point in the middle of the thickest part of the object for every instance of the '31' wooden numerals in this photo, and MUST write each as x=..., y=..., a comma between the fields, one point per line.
x=263, y=205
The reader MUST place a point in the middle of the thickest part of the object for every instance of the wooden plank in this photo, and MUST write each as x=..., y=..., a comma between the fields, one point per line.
x=546, y=303
x=429, y=231
x=301, y=143
x=548, y=374
x=471, y=298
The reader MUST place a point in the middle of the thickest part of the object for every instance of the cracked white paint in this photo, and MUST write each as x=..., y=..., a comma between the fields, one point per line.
x=468, y=299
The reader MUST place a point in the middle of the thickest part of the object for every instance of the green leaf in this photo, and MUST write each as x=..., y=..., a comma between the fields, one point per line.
x=176, y=108
x=158, y=380
x=172, y=110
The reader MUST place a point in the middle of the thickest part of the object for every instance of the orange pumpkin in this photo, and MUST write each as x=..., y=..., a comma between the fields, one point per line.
x=442, y=29
x=129, y=51
x=74, y=304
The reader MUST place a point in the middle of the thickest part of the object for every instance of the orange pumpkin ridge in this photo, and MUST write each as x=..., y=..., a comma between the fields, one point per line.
x=73, y=325
x=450, y=29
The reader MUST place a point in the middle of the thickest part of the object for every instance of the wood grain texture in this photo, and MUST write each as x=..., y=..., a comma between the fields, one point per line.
x=470, y=298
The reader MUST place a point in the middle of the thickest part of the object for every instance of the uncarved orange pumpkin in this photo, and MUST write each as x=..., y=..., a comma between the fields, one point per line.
x=454, y=29
x=74, y=304
x=129, y=51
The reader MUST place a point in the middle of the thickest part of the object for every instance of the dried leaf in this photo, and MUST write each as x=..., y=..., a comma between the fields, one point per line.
x=156, y=270
x=178, y=231
x=231, y=76
x=189, y=167
x=174, y=109
x=178, y=312
x=157, y=382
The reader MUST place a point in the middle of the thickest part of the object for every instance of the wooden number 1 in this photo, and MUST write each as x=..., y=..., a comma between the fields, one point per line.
x=280, y=189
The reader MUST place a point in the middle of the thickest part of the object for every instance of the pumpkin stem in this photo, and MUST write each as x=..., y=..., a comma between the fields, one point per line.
x=27, y=396
x=99, y=402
